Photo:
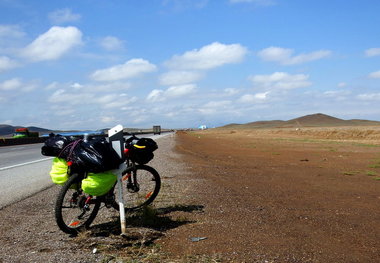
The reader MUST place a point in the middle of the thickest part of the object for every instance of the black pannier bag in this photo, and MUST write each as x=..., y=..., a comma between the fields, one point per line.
x=54, y=145
x=142, y=150
x=95, y=156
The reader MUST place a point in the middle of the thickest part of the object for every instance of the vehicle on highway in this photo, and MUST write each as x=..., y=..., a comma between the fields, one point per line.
x=77, y=204
x=157, y=129
x=24, y=133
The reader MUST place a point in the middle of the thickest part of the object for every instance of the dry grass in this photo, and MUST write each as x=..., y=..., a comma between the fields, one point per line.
x=369, y=135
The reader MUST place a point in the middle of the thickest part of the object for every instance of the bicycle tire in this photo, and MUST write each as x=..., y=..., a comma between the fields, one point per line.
x=70, y=214
x=149, y=186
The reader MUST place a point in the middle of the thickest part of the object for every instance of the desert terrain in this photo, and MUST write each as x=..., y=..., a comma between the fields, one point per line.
x=308, y=194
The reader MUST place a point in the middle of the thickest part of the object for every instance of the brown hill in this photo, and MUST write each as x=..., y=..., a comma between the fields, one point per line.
x=312, y=120
x=317, y=120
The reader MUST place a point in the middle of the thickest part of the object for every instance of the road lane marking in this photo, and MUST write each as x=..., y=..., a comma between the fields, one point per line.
x=22, y=164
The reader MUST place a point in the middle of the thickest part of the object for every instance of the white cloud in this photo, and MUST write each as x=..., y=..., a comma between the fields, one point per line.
x=252, y=98
x=337, y=95
x=16, y=84
x=76, y=85
x=208, y=57
x=155, y=95
x=130, y=69
x=62, y=96
x=6, y=63
x=374, y=75
x=62, y=16
x=230, y=91
x=372, y=52
x=11, y=31
x=180, y=91
x=261, y=96
x=285, y=56
x=60, y=110
x=111, y=43
x=280, y=80
x=53, y=44
x=11, y=84
x=217, y=104
x=172, y=92
x=9, y=122
x=51, y=86
x=114, y=100
x=342, y=84
x=174, y=78
x=140, y=119
x=108, y=119
x=213, y=107
x=369, y=96
x=110, y=86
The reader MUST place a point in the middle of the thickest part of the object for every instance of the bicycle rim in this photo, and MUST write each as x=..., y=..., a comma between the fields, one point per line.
x=72, y=212
x=143, y=191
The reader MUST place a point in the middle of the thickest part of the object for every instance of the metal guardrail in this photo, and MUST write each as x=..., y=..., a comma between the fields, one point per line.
x=19, y=141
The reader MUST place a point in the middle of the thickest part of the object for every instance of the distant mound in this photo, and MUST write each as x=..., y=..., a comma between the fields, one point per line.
x=37, y=129
x=318, y=119
x=6, y=129
x=312, y=120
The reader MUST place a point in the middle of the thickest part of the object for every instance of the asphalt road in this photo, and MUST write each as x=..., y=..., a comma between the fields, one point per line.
x=24, y=171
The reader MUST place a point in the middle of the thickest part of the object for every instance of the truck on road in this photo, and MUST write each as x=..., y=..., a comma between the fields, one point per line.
x=157, y=129
x=24, y=133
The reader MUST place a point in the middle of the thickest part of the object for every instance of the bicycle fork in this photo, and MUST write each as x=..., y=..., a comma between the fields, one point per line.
x=86, y=207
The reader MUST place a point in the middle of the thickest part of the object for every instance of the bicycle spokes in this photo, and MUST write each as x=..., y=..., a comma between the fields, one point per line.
x=74, y=209
x=140, y=187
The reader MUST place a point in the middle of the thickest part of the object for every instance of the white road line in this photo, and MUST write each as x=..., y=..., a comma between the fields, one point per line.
x=22, y=164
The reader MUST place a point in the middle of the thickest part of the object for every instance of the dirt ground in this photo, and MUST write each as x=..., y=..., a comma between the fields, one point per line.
x=250, y=196
x=276, y=197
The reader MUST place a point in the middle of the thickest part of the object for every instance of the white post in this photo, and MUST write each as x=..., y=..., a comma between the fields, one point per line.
x=117, y=141
x=121, y=199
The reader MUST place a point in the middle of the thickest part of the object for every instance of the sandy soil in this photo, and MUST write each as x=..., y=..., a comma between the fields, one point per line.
x=268, y=196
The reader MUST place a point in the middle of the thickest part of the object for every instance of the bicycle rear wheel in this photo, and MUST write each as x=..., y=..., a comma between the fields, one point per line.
x=140, y=188
x=75, y=210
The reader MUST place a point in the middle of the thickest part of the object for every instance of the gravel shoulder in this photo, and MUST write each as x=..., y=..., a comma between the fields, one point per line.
x=28, y=232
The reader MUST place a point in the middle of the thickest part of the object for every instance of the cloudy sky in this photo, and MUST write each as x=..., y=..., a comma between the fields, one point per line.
x=92, y=64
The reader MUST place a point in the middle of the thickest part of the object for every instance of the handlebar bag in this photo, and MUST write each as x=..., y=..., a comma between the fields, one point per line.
x=98, y=184
x=142, y=150
x=54, y=145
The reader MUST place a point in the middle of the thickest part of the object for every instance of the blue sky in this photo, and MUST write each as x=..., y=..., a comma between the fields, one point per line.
x=92, y=64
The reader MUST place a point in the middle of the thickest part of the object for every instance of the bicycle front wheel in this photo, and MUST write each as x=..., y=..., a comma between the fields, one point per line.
x=140, y=188
x=75, y=210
